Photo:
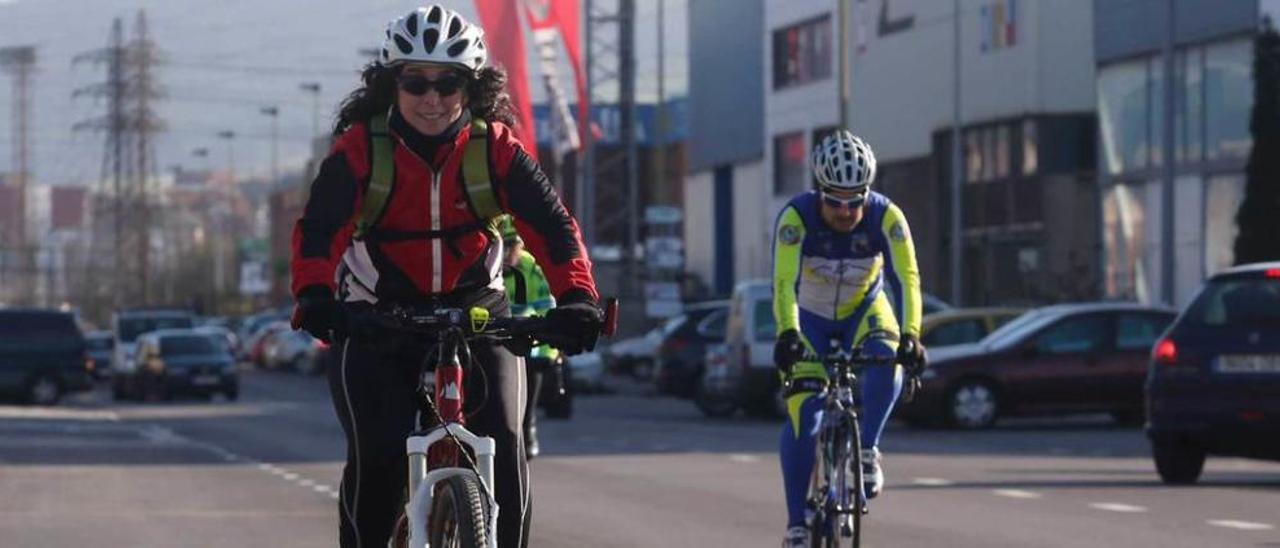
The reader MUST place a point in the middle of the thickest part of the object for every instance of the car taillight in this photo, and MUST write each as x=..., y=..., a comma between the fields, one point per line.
x=1273, y=273
x=1166, y=352
x=320, y=344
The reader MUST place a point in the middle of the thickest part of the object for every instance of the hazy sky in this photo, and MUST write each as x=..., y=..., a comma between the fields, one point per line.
x=224, y=60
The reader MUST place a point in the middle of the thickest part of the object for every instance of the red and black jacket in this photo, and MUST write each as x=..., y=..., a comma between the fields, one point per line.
x=428, y=196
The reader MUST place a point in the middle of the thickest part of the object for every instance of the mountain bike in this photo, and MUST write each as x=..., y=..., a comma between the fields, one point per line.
x=450, y=499
x=836, y=500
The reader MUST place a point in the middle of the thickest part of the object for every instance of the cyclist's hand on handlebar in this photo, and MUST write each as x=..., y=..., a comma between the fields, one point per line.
x=577, y=321
x=788, y=350
x=319, y=314
x=912, y=355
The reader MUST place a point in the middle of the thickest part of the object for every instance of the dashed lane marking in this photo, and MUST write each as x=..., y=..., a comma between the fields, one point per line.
x=1118, y=507
x=1242, y=525
x=932, y=482
x=1017, y=494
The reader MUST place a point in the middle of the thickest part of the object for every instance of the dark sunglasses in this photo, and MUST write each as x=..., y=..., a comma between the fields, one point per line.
x=418, y=86
x=845, y=203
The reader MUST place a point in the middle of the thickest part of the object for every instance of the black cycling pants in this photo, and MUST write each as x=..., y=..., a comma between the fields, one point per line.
x=374, y=395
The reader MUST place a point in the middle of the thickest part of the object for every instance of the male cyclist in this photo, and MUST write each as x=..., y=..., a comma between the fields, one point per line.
x=834, y=250
x=529, y=295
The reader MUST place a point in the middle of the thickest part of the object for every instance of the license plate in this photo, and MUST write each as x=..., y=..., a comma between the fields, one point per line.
x=205, y=380
x=1249, y=363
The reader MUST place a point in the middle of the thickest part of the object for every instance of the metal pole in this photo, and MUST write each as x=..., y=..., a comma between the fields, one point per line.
x=843, y=55
x=660, y=139
x=627, y=100
x=957, y=281
x=585, y=193
x=1167, y=246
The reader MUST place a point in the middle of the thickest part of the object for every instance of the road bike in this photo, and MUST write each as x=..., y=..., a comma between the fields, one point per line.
x=450, y=499
x=836, y=500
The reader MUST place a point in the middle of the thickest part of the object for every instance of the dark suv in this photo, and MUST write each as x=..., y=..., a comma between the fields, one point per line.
x=1213, y=386
x=42, y=355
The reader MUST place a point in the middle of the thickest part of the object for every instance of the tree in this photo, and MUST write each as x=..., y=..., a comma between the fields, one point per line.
x=1259, y=215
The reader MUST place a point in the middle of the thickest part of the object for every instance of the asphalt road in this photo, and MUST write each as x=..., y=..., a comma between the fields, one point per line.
x=628, y=470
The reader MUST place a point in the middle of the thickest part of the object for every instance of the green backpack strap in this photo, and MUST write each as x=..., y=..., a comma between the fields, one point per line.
x=382, y=176
x=475, y=175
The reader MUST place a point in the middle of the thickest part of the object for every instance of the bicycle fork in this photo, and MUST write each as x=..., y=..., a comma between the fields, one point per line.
x=428, y=467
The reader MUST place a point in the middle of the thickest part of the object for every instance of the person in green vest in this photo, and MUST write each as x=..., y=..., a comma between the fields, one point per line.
x=529, y=295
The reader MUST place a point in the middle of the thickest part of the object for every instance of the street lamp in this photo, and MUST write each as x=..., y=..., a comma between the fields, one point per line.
x=274, y=112
x=314, y=89
x=230, y=136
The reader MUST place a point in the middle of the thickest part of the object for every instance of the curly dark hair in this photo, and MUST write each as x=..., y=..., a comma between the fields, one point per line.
x=486, y=94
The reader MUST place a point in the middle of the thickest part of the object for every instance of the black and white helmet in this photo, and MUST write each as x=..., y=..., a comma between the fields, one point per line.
x=434, y=34
x=842, y=161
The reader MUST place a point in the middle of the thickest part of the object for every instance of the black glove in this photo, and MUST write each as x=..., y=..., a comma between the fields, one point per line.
x=319, y=314
x=912, y=355
x=576, y=320
x=788, y=350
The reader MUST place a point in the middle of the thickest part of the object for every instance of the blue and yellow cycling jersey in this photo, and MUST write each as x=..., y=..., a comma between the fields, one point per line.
x=832, y=274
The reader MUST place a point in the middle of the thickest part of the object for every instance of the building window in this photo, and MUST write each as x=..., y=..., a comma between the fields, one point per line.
x=1002, y=151
x=802, y=53
x=1124, y=227
x=1189, y=120
x=972, y=156
x=789, y=159
x=1030, y=148
x=1122, y=116
x=1228, y=99
x=1155, y=85
x=1222, y=199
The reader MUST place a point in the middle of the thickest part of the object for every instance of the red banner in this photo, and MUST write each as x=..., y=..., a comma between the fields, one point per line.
x=566, y=16
x=504, y=36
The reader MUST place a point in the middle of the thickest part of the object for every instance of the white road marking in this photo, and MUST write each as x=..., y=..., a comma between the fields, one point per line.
x=932, y=482
x=744, y=459
x=1118, y=507
x=306, y=482
x=1017, y=494
x=1242, y=525
x=60, y=413
x=289, y=476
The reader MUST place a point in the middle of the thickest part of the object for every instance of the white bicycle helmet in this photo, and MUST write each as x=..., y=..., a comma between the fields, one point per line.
x=844, y=162
x=434, y=34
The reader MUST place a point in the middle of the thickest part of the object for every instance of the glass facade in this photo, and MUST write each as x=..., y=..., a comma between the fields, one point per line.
x=1122, y=116
x=802, y=53
x=1228, y=98
x=1213, y=97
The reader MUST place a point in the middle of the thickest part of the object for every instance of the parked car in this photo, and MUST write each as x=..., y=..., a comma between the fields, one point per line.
x=223, y=335
x=178, y=361
x=42, y=355
x=128, y=325
x=713, y=388
x=634, y=355
x=1213, y=386
x=931, y=304
x=1085, y=357
x=684, y=345
x=264, y=338
x=99, y=344
x=585, y=372
x=296, y=350
x=963, y=325
x=251, y=331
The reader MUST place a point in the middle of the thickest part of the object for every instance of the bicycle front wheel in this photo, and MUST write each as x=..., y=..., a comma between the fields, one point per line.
x=838, y=501
x=459, y=514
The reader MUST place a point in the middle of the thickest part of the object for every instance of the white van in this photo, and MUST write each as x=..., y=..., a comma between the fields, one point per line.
x=747, y=377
